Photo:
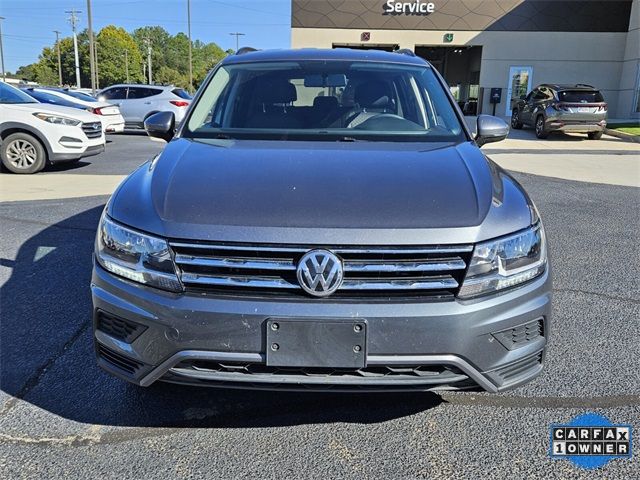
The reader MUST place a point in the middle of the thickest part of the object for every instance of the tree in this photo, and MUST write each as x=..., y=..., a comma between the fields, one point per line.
x=170, y=58
x=111, y=44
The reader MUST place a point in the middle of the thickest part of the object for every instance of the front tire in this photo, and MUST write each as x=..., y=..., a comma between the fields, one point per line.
x=541, y=131
x=23, y=153
x=515, y=120
x=594, y=135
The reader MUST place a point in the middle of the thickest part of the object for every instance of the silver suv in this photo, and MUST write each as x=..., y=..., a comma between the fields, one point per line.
x=138, y=102
x=562, y=108
x=322, y=219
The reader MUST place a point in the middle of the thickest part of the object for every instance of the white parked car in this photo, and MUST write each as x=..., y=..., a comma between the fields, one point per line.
x=137, y=102
x=112, y=120
x=33, y=134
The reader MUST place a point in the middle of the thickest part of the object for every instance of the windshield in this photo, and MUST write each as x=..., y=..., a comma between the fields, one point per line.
x=9, y=94
x=325, y=100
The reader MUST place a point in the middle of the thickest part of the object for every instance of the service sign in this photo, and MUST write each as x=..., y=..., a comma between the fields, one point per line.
x=416, y=7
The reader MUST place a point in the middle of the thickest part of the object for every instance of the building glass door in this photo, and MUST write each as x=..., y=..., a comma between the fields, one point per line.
x=520, y=83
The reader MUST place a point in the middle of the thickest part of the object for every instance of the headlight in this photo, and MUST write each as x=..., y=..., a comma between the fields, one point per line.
x=135, y=255
x=57, y=119
x=506, y=262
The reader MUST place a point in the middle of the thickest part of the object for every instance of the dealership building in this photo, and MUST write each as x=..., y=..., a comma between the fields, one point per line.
x=480, y=45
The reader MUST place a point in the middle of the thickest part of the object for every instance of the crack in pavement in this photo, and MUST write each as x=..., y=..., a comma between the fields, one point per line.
x=598, y=294
x=34, y=379
x=49, y=225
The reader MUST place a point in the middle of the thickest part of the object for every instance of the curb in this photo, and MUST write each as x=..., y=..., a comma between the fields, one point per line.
x=624, y=136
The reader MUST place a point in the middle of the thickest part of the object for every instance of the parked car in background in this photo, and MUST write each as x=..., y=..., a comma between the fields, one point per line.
x=138, y=102
x=562, y=108
x=110, y=117
x=34, y=134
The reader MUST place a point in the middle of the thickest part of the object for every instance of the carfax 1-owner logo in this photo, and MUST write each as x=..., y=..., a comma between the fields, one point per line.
x=590, y=441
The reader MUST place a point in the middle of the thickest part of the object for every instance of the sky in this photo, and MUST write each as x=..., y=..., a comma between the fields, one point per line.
x=28, y=25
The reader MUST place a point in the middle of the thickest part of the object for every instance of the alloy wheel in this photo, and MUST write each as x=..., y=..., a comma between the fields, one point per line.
x=21, y=153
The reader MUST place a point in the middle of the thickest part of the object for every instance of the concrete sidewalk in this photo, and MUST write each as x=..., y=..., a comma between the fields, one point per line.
x=609, y=160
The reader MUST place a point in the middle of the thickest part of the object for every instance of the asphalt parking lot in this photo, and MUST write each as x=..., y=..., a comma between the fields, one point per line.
x=62, y=416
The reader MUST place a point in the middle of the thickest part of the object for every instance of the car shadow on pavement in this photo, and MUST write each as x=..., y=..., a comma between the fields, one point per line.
x=47, y=357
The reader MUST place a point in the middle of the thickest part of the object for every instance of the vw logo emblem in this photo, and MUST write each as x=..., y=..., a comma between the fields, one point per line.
x=320, y=272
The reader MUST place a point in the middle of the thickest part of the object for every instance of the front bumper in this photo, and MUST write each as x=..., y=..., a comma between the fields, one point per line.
x=213, y=340
x=60, y=157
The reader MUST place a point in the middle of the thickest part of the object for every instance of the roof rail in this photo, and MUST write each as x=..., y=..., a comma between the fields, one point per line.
x=405, y=51
x=584, y=85
x=244, y=50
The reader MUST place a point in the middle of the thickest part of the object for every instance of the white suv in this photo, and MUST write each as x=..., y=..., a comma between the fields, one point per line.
x=33, y=134
x=137, y=102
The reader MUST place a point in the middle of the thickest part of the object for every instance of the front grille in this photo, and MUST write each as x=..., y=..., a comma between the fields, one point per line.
x=521, y=335
x=122, y=363
x=119, y=328
x=92, y=130
x=378, y=272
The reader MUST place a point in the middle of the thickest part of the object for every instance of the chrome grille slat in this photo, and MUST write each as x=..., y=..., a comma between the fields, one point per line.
x=427, y=266
x=222, y=281
x=257, y=282
x=435, y=284
x=432, y=270
x=234, y=263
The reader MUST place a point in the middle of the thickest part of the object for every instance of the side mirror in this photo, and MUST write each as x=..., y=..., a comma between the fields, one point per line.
x=490, y=129
x=161, y=125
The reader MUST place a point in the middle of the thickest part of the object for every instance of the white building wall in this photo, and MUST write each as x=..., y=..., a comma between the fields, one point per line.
x=630, y=68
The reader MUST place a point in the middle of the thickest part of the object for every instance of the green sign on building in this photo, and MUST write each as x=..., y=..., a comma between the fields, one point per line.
x=448, y=37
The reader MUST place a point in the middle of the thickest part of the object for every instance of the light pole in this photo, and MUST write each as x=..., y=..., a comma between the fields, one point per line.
x=57, y=32
x=92, y=54
x=237, y=35
x=4, y=76
x=189, y=34
x=126, y=64
x=74, y=20
x=147, y=42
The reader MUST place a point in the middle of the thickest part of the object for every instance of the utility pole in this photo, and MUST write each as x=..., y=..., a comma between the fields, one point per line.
x=126, y=64
x=237, y=35
x=189, y=34
x=73, y=18
x=4, y=76
x=92, y=53
x=57, y=32
x=147, y=42
x=95, y=50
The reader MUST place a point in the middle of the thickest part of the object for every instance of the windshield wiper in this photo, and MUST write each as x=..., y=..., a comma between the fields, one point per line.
x=349, y=139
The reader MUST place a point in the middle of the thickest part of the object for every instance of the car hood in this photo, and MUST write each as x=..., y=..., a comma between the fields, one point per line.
x=71, y=112
x=324, y=191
